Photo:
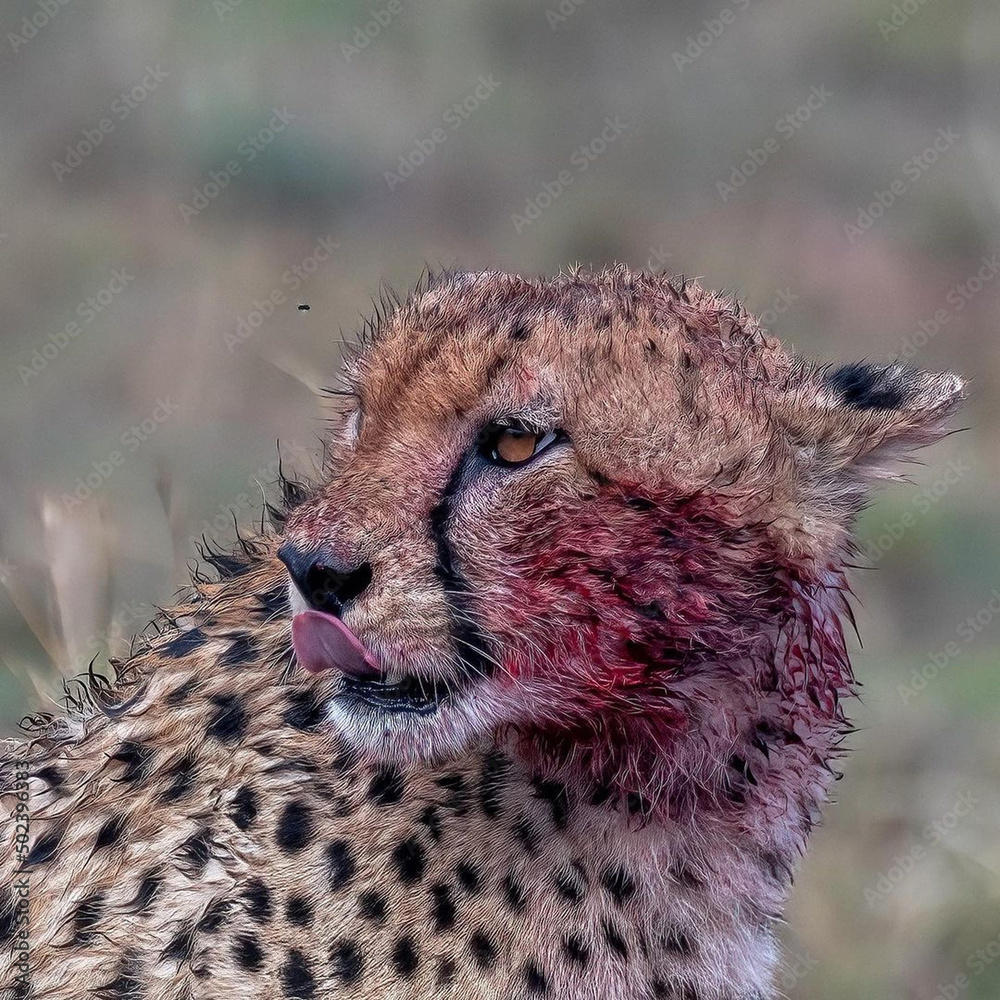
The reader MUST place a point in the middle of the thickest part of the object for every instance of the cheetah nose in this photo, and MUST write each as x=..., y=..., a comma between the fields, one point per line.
x=323, y=581
x=323, y=642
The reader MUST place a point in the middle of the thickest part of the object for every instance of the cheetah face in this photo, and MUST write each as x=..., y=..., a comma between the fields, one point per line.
x=560, y=506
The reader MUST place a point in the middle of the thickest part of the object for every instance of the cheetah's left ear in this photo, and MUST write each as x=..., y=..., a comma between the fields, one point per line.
x=863, y=419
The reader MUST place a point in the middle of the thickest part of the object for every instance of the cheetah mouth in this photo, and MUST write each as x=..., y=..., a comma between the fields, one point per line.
x=324, y=643
x=407, y=695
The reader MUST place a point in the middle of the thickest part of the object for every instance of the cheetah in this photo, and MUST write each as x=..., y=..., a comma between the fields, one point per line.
x=537, y=694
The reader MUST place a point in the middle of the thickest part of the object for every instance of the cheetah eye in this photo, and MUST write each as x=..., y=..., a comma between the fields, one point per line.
x=514, y=444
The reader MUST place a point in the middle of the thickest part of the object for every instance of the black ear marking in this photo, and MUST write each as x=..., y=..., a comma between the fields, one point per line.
x=874, y=387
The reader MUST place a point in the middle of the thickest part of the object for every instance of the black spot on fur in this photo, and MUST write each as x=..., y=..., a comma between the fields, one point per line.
x=871, y=387
x=226, y=564
x=458, y=794
x=408, y=858
x=615, y=940
x=44, y=849
x=387, y=786
x=446, y=972
x=619, y=884
x=273, y=601
x=405, y=956
x=677, y=942
x=244, y=808
x=294, y=827
x=242, y=650
x=685, y=875
x=127, y=984
x=514, y=895
x=431, y=818
x=195, y=852
x=372, y=906
x=347, y=960
x=86, y=917
x=297, y=978
x=305, y=710
x=248, y=952
x=527, y=836
x=443, y=907
x=468, y=877
x=576, y=949
x=149, y=885
x=110, y=832
x=186, y=642
x=637, y=804
x=340, y=863
x=484, y=951
x=571, y=881
x=180, y=947
x=520, y=331
x=258, y=900
x=7, y=917
x=535, y=979
x=215, y=916
x=554, y=792
x=137, y=759
x=229, y=720
x=52, y=776
x=182, y=778
x=180, y=694
x=492, y=781
x=299, y=911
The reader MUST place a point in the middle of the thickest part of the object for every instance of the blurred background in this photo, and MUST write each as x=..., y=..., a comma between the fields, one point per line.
x=178, y=178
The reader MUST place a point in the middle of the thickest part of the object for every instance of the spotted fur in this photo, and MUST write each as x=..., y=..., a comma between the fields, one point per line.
x=637, y=644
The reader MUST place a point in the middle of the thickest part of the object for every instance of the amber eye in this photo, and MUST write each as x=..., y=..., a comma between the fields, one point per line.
x=515, y=445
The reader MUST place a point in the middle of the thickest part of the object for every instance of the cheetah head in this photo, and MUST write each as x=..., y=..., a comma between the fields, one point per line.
x=603, y=511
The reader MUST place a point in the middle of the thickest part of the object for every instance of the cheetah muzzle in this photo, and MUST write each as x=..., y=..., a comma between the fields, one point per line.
x=537, y=693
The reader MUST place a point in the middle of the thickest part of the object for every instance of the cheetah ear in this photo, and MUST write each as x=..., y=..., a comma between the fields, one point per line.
x=863, y=419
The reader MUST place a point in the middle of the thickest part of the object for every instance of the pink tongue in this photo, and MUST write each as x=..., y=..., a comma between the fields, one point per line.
x=323, y=642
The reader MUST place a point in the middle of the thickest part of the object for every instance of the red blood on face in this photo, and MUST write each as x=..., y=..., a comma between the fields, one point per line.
x=323, y=642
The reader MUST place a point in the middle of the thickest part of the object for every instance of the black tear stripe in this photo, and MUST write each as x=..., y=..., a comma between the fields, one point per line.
x=471, y=644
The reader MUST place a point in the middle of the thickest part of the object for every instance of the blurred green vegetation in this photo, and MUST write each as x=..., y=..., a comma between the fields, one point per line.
x=363, y=100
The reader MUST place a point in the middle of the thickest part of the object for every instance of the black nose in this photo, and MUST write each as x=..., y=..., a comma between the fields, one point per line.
x=323, y=581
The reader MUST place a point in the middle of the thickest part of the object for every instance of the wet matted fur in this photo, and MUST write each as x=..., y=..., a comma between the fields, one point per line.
x=631, y=647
